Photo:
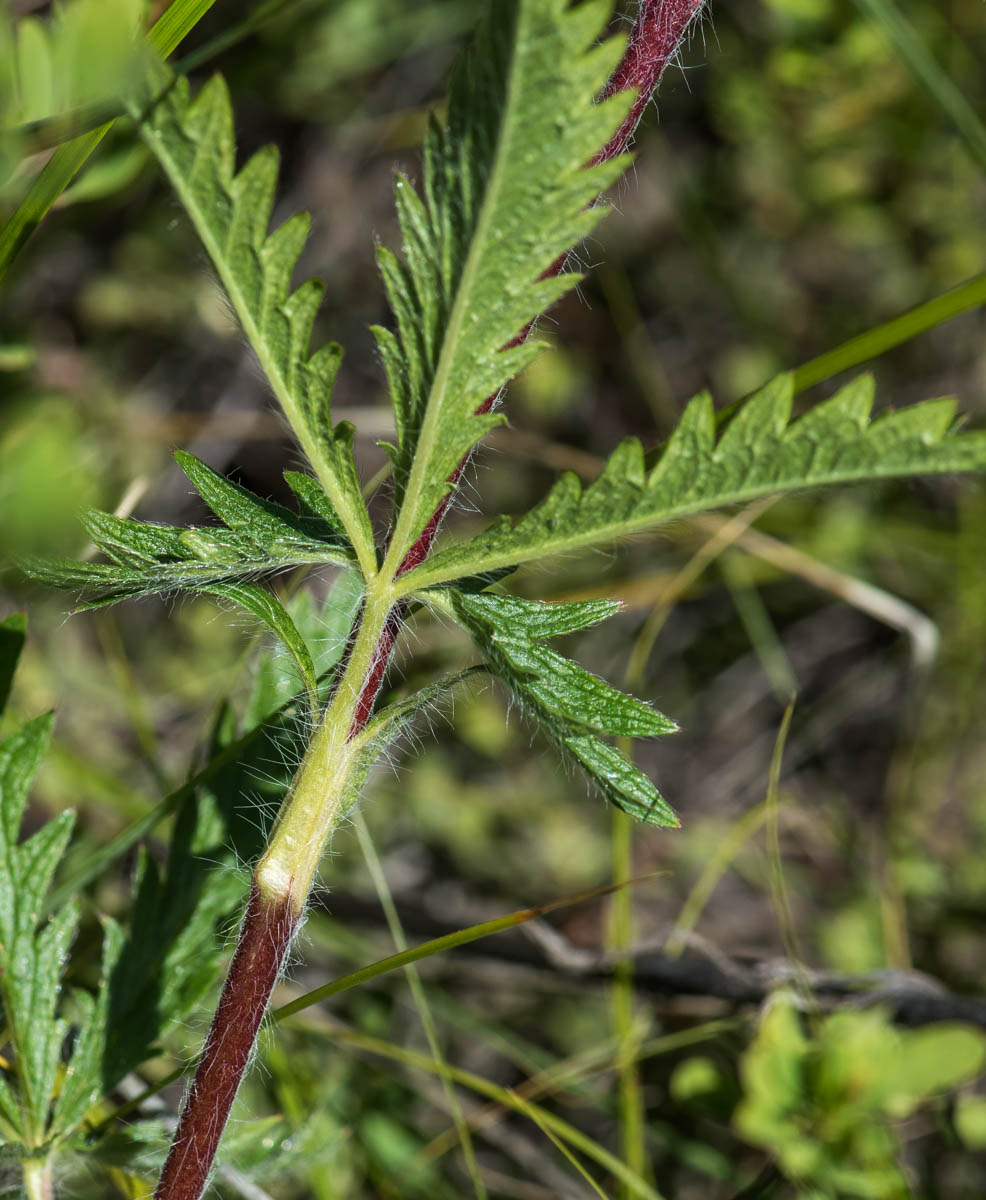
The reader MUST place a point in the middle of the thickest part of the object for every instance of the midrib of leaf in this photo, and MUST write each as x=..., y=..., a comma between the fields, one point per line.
x=326, y=476
x=427, y=576
x=404, y=537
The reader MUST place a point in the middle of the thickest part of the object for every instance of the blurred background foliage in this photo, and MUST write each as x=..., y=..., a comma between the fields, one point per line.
x=801, y=181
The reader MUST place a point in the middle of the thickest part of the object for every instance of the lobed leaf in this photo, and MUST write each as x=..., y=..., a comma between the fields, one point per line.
x=32, y=961
x=231, y=212
x=569, y=704
x=506, y=193
x=760, y=452
x=259, y=537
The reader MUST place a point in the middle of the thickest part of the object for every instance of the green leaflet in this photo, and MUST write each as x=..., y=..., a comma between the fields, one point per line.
x=193, y=141
x=505, y=193
x=760, y=452
x=32, y=956
x=87, y=53
x=267, y=608
x=259, y=537
x=325, y=629
x=569, y=705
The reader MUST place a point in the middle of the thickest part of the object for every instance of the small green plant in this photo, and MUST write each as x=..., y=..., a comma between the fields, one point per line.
x=540, y=111
x=824, y=1104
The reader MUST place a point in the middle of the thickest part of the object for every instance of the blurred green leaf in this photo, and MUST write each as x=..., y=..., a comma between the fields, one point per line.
x=821, y=1095
x=180, y=17
x=935, y=80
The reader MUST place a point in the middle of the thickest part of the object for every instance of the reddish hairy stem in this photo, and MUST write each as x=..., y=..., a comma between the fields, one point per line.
x=659, y=30
x=268, y=926
x=265, y=936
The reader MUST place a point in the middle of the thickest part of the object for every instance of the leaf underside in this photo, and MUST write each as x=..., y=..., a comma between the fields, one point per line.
x=505, y=193
x=258, y=537
x=761, y=452
x=568, y=704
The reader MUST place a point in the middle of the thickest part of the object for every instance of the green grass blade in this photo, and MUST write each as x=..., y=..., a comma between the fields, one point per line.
x=881, y=338
x=448, y=941
x=634, y=1185
x=420, y=1001
x=175, y=23
x=922, y=64
x=179, y=19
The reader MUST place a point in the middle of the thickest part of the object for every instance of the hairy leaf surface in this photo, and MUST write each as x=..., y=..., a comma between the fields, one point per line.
x=506, y=193
x=259, y=537
x=760, y=452
x=569, y=705
x=231, y=212
x=33, y=951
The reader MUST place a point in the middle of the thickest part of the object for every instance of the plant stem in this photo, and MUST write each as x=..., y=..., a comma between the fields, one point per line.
x=318, y=797
x=265, y=935
x=38, y=1184
x=326, y=783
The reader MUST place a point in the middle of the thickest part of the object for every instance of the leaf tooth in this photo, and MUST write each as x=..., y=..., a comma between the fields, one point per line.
x=927, y=422
x=622, y=783
x=253, y=191
x=20, y=757
x=243, y=513
x=624, y=472
x=311, y=495
x=131, y=543
x=317, y=377
x=760, y=420
x=848, y=411
x=209, y=123
x=537, y=618
x=278, y=258
x=397, y=376
x=300, y=309
x=582, y=27
x=679, y=467
x=40, y=855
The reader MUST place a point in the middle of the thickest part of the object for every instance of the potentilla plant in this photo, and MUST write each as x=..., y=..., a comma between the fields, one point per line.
x=540, y=113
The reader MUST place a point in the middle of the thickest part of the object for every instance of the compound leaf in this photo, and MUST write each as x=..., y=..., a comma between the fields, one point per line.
x=231, y=212
x=506, y=193
x=569, y=704
x=760, y=452
x=259, y=537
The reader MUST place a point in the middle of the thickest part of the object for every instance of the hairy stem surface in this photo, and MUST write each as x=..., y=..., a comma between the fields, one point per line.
x=320, y=793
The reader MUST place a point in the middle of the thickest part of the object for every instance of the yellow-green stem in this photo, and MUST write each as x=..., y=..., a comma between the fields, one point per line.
x=323, y=788
x=37, y=1178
